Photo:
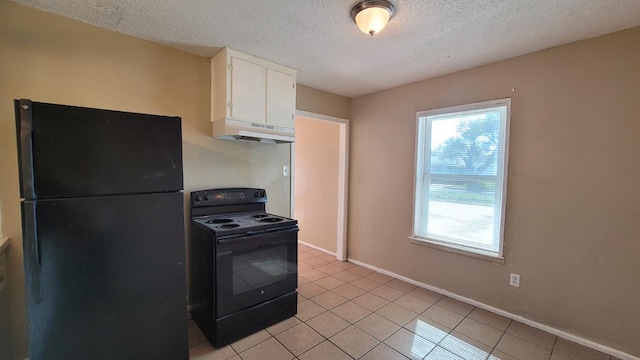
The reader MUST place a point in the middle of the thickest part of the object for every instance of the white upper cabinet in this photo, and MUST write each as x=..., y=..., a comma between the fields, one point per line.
x=248, y=88
x=281, y=104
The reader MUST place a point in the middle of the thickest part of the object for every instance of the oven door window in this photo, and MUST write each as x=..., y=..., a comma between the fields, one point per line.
x=255, y=269
x=259, y=269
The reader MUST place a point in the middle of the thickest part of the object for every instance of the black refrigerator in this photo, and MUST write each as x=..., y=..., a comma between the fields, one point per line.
x=103, y=233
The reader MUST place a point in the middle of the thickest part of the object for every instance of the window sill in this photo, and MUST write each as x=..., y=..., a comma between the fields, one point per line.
x=459, y=251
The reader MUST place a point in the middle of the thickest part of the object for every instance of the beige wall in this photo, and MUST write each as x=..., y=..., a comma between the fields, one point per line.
x=49, y=58
x=573, y=202
x=322, y=102
x=316, y=181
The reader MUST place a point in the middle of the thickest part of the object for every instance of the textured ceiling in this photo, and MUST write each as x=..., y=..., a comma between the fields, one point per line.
x=426, y=38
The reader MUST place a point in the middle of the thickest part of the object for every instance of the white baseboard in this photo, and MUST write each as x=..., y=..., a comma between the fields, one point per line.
x=565, y=335
x=317, y=248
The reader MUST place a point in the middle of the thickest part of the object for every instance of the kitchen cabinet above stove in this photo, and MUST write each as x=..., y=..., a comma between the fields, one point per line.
x=253, y=99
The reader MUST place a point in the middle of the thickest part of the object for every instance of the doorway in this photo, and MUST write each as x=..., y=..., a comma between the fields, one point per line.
x=319, y=181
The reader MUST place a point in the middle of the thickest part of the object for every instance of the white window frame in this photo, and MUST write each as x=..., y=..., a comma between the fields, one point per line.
x=452, y=244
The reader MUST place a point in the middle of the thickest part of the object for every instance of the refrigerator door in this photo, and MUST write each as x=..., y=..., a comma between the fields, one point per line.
x=105, y=277
x=68, y=151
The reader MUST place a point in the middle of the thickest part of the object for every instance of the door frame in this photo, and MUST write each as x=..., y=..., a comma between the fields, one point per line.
x=343, y=178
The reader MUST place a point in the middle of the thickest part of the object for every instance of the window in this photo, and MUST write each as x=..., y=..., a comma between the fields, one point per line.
x=461, y=177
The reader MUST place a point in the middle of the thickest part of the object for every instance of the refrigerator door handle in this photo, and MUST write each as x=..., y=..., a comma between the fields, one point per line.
x=32, y=251
x=24, y=128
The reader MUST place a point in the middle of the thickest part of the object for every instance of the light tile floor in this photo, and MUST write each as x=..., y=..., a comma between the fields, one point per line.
x=347, y=311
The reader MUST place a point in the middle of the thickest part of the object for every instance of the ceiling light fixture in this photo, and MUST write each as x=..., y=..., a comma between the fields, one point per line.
x=371, y=16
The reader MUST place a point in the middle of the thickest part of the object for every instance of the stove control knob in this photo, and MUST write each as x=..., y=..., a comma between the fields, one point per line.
x=198, y=198
x=257, y=193
x=205, y=197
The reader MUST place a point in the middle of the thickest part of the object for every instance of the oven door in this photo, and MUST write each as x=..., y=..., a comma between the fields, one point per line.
x=255, y=268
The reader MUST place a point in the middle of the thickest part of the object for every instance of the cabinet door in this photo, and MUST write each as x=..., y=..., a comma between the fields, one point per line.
x=247, y=90
x=281, y=98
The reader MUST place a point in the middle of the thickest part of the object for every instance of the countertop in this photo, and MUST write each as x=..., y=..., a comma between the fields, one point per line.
x=4, y=242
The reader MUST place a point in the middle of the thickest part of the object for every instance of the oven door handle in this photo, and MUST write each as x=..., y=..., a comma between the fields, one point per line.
x=250, y=234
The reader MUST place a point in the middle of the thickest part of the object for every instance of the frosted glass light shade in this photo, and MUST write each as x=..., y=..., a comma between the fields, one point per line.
x=371, y=16
x=372, y=20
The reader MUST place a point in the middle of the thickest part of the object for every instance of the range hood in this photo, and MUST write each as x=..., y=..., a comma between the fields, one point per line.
x=234, y=129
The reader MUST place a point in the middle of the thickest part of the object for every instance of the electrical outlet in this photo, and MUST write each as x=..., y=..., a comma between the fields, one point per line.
x=514, y=280
x=285, y=170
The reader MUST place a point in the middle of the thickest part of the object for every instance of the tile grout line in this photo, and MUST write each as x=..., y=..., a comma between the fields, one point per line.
x=504, y=332
x=388, y=337
x=284, y=346
x=554, y=347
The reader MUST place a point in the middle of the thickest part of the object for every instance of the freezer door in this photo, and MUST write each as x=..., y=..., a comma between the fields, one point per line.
x=68, y=151
x=105, y=277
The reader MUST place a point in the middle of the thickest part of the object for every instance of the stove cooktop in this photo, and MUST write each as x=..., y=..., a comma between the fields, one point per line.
x=244, y=222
